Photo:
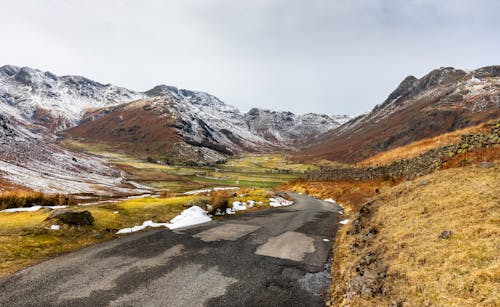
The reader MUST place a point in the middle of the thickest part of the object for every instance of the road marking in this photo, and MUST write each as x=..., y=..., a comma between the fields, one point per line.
x=230, y=232
x=289, y=245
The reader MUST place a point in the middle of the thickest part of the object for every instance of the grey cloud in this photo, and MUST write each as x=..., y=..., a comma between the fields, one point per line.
x=299, y=55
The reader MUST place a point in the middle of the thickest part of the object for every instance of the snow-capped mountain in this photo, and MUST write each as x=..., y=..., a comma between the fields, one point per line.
x=52, y=101
x=169, y=124
x=288, y=128
x=444, y=100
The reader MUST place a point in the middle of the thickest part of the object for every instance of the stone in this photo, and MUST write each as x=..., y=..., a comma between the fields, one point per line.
x=486, y=164
x=445, y=235
x=71, y=217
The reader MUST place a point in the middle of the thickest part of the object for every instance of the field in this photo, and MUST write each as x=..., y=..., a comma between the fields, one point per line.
x=251, y=170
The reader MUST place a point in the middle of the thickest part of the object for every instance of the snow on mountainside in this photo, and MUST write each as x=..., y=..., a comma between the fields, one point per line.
x=286, y=127
x=52, y=101
x=181, y=126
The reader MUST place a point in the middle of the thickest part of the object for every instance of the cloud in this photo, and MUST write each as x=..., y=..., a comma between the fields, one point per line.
x=305, y=56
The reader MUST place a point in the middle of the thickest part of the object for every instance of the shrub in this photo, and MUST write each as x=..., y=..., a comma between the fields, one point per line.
x=220, y=200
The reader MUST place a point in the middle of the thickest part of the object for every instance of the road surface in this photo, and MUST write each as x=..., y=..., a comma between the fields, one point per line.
x=275, y=257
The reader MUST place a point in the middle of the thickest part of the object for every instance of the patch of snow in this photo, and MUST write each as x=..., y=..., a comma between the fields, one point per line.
x=239, y=206
x=330, y=200
x=55, y=227
x=279, y=202
x=230, y=211
x=24, y=209
x=192, y=216
x=142, y=227
x=209, y=190
x=344, y=222
x=326, y=240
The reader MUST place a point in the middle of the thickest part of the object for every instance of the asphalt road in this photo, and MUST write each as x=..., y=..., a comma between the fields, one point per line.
x=275, y=257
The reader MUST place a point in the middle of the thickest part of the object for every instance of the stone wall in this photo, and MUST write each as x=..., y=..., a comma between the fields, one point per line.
x=425, y=163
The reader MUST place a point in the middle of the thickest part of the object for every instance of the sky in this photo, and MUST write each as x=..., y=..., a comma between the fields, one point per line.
x=322, y=56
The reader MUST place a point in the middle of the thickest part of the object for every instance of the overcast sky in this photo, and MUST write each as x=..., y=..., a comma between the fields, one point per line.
x=323, y=56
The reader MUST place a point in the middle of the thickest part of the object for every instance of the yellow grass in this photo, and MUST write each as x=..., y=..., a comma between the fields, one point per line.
x=424, y=270
x=416, y=148
x=25, y=237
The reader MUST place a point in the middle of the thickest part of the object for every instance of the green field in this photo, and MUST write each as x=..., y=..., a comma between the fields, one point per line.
x=251, y=170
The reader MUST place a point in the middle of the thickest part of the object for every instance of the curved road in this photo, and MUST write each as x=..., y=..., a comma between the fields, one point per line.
x=275, y=257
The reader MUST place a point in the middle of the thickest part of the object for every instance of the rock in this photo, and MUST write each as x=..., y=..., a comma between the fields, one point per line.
x=97, y=236
x=423, y=182
x=70, y=217
x=445, y=234
x=486, y=164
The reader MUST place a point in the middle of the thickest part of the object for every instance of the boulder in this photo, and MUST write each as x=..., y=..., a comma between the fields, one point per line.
x=70, y=217
x=445, y=234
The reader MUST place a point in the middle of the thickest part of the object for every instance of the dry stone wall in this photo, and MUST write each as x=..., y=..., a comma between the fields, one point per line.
x=425, y=163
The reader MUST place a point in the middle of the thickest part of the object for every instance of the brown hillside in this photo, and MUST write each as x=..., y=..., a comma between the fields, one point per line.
x=445, y=100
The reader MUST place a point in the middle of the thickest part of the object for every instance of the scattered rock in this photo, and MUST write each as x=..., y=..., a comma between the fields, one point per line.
x=486, y=164
x=423, y=182
x=445, y=234
x=70, y=217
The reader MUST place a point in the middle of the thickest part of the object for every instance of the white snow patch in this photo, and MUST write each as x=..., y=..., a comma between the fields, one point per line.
x=326, y=240
x=330, y=200
x=239, y=206
x=141, y=227
x=55, y=227
x=209, y=190
x=32, y=208
x=191, y=216
x=24, y=209
x=279, y=202
x=344, y=222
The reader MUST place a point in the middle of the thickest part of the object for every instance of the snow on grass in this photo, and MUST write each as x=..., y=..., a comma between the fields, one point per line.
x=329, y=200
x=142, y=227
x=279, y=202
x=239, y=206
x=344, y=222
x=191, y=216
x=209, y=190
x=32, y=208
x=55, y=227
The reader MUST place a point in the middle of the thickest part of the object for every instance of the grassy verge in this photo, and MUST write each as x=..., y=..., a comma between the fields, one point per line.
x=25, y=237
x=419, y=268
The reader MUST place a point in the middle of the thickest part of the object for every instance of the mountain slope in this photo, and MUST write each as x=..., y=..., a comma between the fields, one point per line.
x=165, y=123
x=444, y=100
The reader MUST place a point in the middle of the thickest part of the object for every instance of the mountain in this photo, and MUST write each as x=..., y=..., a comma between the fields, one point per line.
x=287, y=128
x=165, y=123
x=444, y=100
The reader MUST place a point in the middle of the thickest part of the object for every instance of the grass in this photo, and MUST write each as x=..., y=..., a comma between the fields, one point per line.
x=349, y=193
x=25, y=237
x=423, y=269
x=23, y=198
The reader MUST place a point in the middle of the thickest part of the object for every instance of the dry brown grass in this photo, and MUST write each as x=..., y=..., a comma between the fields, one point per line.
x=416, y=148
x=23, y=198
x=424, y=270
x=350, y=193
x=220, y=200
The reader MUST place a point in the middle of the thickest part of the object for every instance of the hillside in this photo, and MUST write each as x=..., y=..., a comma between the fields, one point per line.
x=39, y=110
x=442, y=101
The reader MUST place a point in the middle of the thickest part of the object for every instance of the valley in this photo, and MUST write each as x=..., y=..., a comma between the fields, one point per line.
x=381, y=200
